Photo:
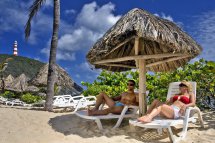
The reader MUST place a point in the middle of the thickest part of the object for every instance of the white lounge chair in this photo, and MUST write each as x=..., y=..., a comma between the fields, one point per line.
x=60, y=100
x=76, y=102
x=127, y=112
x=159, y=123
x=3, y=100
x=16, y=102
x=85, y=102
x=97, y=119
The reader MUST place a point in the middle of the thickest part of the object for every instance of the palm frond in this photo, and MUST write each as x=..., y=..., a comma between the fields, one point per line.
x=33, y=11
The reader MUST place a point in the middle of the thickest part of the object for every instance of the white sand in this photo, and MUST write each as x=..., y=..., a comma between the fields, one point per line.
x=31, y=126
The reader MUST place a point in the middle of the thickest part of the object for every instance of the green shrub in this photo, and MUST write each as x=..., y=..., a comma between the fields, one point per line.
x=202, y=72
x=113, y=83
x=29, y=98
x=8, y=94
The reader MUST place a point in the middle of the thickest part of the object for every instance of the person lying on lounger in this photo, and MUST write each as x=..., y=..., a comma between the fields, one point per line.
x=172, y=108
x=116, y=104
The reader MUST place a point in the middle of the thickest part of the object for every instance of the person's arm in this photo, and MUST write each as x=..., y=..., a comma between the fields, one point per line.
x=137, y=99
x=169, y=101
x=117, y=98
x=191, y=104
x=192, y=101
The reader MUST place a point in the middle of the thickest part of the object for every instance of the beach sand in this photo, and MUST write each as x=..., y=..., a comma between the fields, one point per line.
x=34, y=126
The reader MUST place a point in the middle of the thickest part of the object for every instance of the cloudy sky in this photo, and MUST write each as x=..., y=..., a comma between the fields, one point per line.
x=84, y=21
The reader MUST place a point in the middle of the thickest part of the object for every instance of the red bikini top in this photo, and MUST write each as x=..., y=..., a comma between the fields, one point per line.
x=183, y=99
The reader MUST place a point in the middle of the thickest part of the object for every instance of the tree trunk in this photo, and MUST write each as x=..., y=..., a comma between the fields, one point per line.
x=3, y=85
x=52, y=57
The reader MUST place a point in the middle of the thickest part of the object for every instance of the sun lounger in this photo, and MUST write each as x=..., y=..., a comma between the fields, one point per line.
x=3, y=100
x=60, y=100
x=75, y=102
x=160, y=123
x=127, y=112
x=85, y=102
x=16, y=102
x=124, y=114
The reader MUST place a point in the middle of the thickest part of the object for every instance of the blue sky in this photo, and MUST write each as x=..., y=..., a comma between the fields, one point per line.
x=84, y=21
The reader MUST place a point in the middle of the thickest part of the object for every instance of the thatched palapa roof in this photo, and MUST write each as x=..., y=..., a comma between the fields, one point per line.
x=162, y=44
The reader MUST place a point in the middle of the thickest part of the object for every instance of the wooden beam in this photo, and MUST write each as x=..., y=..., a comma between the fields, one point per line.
x=119, y=45
x=167, y=60
x=119, y=65
x=147, y=66
x=156, y=56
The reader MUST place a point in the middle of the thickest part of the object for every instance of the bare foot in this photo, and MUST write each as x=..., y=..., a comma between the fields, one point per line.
x=145, y=119
x=94, y=109
x=90, y=112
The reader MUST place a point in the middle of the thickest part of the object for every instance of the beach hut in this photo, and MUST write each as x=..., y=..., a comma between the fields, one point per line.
x=146, y=42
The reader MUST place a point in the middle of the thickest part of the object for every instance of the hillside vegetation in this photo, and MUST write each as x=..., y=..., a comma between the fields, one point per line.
x=21, y=65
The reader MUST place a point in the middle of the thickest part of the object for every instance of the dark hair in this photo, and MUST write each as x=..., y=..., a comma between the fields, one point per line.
x=131, y=80
x=181, y=85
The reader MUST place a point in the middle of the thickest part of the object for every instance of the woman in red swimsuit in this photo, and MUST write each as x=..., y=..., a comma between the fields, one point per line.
x=172, y=108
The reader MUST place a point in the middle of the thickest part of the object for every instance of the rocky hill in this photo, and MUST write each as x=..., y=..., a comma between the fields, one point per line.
x=20, y=65
x=28, y=75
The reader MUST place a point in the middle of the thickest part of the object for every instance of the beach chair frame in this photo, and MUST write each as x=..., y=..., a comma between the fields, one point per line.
x=97, y=119
x=76, y=102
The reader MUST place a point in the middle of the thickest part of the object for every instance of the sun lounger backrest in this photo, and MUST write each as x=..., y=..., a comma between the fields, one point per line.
x=174, y=89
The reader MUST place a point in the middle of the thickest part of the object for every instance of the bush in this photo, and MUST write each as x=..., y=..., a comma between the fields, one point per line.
x=113, y=83
x=8, y=94
x=202, y=72
x=29, y=98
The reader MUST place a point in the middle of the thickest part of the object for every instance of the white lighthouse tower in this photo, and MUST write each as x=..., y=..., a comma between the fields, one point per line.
x=15, y=51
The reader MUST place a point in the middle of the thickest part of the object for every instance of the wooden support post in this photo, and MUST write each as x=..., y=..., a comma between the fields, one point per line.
x=137, y=49
x=142, y=87
x=141, y=64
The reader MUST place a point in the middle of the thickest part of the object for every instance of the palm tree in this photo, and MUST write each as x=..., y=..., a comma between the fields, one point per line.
x=52, y=57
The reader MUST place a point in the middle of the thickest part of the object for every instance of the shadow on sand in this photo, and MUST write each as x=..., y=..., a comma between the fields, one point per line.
x=72, y=124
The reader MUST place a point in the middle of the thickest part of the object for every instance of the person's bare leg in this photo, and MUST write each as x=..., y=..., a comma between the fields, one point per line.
x=114, y=109
x=154, y=104
x=164, y=109
x=103, y=98
x=167, y=111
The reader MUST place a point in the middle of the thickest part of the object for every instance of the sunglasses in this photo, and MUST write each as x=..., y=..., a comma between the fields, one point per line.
x=130, y=84
x=182, y=85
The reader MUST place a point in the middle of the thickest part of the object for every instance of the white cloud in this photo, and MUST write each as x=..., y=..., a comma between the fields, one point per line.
x=164, y=16
x=14, y=15
x=91, y=23
x=61, y=55
x=37, y=58
x=203, y=30
x=77, y=76
x=66, y=56
x=80, y=38
x=88, y=68
x=49, y=3
x=70, y=11
x=96, y=18
x=170, y=18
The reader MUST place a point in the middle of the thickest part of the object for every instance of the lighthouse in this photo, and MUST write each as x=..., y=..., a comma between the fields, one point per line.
x=15, y=52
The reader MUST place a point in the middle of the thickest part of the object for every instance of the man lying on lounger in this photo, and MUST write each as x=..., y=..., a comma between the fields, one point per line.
x=116, y=104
